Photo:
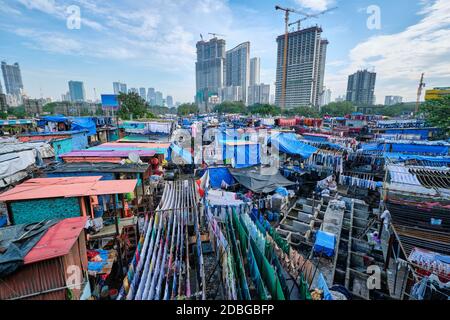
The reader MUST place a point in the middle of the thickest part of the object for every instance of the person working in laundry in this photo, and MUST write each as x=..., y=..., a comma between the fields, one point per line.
x=386, y=220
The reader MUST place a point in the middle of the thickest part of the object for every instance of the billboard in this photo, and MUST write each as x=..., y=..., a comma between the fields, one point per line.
x=110, y=102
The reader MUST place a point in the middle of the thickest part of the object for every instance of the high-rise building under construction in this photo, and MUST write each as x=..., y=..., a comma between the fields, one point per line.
x=305, y=68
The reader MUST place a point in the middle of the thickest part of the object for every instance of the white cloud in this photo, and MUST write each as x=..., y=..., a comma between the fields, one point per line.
x=8, y=9
x=400, y=58
x=316, y=5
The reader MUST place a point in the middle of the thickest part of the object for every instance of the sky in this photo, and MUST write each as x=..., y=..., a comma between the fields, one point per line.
x=151, y=43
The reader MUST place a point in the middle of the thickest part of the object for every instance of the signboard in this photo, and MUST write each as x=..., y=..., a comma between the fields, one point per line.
x=110, y=102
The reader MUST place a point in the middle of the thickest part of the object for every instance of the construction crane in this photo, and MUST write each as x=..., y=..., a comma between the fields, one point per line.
x=309, y=16
x=287, y=11
x=419, y=92
x=216, y=34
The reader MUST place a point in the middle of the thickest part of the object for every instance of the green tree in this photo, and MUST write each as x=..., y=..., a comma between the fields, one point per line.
x=338, y=109
x=264, y=109
x=3, y=115
x=437, y=112
x=187, y=108
x=307, y=112
x=131, y=104
x=18, y=112
x=49, y=107
x=231, y=107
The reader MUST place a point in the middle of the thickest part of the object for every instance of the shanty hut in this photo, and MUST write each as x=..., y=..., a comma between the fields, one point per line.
x=54, y=266
x=49, y=198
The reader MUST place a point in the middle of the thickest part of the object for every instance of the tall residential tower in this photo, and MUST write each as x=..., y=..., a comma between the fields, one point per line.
x=209, y=70
x=12, y=79
x=361, y=88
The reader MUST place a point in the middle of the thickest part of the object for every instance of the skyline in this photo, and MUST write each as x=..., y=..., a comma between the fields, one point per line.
x=143, y=45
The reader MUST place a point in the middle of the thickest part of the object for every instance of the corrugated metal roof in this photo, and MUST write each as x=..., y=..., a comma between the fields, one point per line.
x=41, y=188
x=108, y=153
x=57, y=241
x=97, y=167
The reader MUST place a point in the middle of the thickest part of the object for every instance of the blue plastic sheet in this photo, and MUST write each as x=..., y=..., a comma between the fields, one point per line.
x=404, y=157
x=325, y=243
x=84, y=124
x=56, y=118
x=184, y=154
x=217, y=175
x=322, y=285
x=406, y=147
x=289, y=144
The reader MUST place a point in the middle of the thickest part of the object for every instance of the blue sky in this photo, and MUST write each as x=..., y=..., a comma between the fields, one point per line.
x=151, y=43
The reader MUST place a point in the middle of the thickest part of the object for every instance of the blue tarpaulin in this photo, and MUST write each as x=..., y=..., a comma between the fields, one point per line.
x=407, y=148
x=181, y=152
x=84, y=124
x=56, y=118
x=217, y=175
x=404, y=157
x=289, y=144
x=325, y=243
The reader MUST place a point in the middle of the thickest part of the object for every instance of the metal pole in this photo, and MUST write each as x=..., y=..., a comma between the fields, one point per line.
x=116, y=221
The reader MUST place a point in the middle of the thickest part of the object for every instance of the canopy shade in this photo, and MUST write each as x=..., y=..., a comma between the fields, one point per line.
x=252, y=179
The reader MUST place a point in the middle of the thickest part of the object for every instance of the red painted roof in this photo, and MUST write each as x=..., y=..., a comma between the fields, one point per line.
x=41, y=188
x=57, y=241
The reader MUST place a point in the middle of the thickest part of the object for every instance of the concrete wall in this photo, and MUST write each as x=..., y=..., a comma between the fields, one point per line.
x=37, y=210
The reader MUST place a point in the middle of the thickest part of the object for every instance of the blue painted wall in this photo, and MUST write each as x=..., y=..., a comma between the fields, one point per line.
x=37, y=210
x=62, y=146
x=79, y=141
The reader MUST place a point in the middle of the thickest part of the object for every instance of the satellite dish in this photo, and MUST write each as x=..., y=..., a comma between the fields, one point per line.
x=134, y=157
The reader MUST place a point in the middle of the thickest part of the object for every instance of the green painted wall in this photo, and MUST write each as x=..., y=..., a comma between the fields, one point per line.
x=37, y=210
x=62, y=146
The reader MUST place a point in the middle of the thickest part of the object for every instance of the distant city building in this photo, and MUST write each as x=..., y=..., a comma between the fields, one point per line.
x=255, y=71
x=169, y=101
x=340, y=98
x=133, y=90
x=33, y=106
x=361, y=88
x=68, y=108
x=437, y=93
x=119, y=87
x=76, y=91
x=13, y=100
x=143, y=93
x=1, y=88
x=306, y=56
x=209, y=70
x=151, y=96
x=12, y=79
x=325, y=97
x=159, y=100
x=392, y=100
x=258, y=93
x=65, y=96
x=3, y=102
x=237, y=70
x=231, y=93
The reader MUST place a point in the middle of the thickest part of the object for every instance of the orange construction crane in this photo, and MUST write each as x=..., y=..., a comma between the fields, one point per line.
x=419, y=92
